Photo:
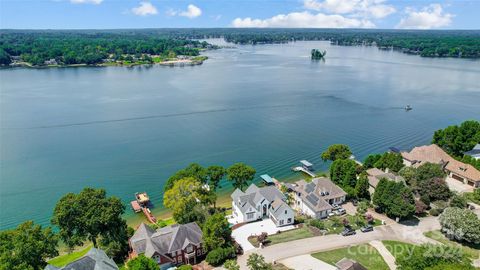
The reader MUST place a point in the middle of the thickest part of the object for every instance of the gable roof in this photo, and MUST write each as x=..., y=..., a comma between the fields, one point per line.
x=95, y=259
x=374, y=175
x=348, y=264
x=278, y=207
x=474, y=152
x=165, y=240
x=317, y=193
x=434, y=154
x=254, y=195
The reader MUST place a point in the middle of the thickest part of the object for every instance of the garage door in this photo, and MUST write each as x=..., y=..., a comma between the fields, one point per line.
x=456, y=177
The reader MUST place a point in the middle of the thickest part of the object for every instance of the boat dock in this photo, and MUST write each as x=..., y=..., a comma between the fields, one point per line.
x=302, y=169
x=141, y=204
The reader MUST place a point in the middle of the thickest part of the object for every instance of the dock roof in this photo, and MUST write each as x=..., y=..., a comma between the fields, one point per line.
x=306, y=163
x=267, y=178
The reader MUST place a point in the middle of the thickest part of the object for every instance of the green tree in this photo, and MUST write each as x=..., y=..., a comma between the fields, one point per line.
x=336, y=151
x=90, y=215
x=409, y=174
x=257, y=262
x=231, y=265
x=394, y=199
x=460, y=224
x=215, y=174
x=27, y=247
x=428, y=171
x=182, y=198
x=361, y=187
x=240, y=175
x=391, y=161
x=142, y=263
x=435, y=188
x=343, y=173
x=458, y=201
x=194, y=170
x=216, y=231
x=370, y=161
x=456, y=140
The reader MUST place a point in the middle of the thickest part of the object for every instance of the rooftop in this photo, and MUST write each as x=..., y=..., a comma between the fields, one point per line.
x=318, y=192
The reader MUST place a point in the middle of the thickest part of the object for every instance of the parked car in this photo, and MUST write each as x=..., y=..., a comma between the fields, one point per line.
x=367, y=228
x=341, y=211
x=348, y=232
x=331, y=214
x=335, y=206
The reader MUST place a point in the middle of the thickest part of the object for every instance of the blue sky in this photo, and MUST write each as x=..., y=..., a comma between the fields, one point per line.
x=99, y=14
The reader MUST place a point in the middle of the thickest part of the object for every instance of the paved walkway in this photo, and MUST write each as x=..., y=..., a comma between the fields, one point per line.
x=412, y=233
x=306, y=262
x=387, y=256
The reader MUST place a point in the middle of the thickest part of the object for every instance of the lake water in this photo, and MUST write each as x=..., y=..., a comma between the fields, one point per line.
x=128, y=129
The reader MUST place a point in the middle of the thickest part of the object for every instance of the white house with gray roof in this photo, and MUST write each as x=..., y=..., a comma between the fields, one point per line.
x=315, y=199
x=95, y=259
x=172, y=245
x=258, y=203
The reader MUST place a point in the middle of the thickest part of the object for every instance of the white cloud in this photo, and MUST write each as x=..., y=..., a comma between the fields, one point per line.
x=145, y=9
x=96, y=2
x=431, y=16
x=304, y=20
x=358, y=8
x=191, y=12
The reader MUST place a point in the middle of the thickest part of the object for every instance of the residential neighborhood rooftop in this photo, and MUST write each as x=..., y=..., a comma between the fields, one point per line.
x=318, y=192
x=95, y=259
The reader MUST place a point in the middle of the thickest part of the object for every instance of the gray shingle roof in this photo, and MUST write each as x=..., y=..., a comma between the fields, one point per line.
x=253, y=195
x=165, y=240
x=317, y=193
x=95, y=259
x=278, y=207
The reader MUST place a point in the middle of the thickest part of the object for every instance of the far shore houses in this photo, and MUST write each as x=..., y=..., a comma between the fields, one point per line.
x=172, y=245
x=258, y=203
x=455, y=169
x=316, y=198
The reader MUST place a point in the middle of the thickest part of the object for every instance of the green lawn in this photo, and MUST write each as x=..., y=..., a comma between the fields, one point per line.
x=68, y=258
x=286, y=236
x=367, y=255
x=398, y=249
x=472, y=251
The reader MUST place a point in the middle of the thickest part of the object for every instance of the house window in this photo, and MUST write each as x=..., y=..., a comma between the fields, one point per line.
x=281, y=221
x=189, y=249
x=289, y=220
x=179, y=259
x=156, y=258
x=285, y=212
x=249, y=215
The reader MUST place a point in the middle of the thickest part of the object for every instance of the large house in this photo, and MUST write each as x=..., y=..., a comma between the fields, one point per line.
x=374, y=175
x=474, y=153
x=455, y=169
x=172, y=245
x=315, y=199
x=95, y=259
x=258, y=203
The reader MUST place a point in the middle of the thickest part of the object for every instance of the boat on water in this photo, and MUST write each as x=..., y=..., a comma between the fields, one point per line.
x=408, y=108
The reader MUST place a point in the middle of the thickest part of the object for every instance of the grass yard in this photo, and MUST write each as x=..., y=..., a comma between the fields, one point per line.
x=69, y=257
x=472, y=251
x=367, y=255
x=286, y=236
x=398, y=249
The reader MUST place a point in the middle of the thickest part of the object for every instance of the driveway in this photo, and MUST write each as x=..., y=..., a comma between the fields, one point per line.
x=412, y=233
x=256, y=228
x=458, y=186
x=306, y=262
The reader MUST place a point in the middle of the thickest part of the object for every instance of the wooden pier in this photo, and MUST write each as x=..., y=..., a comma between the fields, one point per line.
x=141, y=204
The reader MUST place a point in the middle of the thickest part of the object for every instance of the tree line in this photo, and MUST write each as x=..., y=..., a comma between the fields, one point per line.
x=88, y=47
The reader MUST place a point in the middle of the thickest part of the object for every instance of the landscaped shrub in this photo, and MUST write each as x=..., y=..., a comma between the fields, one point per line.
x=218, y=256
x=435, y=211
x=317, y=224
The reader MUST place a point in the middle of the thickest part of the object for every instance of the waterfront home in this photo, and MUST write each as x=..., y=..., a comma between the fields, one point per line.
x=316, y=198
x=172, y=245
x=374, y=175
x=258, y=203
x=456, y=170
x=95, y=259
x=474, y=153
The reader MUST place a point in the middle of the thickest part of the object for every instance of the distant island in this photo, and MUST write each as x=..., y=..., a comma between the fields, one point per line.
x=317, y=54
